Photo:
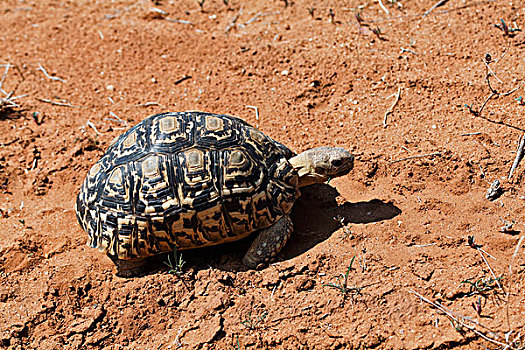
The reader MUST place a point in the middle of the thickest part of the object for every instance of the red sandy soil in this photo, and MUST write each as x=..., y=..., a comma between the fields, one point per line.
x=316, y=79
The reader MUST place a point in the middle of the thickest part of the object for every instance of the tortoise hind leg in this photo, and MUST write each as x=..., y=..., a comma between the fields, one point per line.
x=129, y=268
x=268, y=243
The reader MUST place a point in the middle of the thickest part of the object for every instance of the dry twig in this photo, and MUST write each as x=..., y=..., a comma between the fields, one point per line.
x=256, y=111
x=482, y=253
x=54, y=103
x=8, y=100
x=391, y=109
x=383, y=7
x=487, y=60
x=495, y=190
x=7, y=66
x=259, y=14
x=117, y=119
x=519, y=156
x=186, y=77
x=91, y=125
x=40, y=67
x=402, y=50
x=438, y=4
x=181, y=21
x=461, y=320
x=432, y=12
x=233, y=21
x=147, y=104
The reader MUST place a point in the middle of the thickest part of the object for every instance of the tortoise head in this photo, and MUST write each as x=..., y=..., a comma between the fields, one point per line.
x=320, y=164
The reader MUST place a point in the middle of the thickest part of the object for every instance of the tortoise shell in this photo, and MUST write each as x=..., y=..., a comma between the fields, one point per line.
x=184, y=180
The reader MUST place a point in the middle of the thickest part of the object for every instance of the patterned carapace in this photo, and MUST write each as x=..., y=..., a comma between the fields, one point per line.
x=184, y=180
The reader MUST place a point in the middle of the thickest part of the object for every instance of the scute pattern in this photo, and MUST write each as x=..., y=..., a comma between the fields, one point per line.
x=184, y=180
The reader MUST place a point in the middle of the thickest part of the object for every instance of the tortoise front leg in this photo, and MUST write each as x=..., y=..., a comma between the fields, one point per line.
x=268, y=243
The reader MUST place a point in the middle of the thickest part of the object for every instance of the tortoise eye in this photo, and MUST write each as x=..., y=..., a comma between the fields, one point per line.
x=337, y=162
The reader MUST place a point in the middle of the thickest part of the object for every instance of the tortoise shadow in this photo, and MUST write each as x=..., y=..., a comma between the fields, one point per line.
x=12, y=114
x=316, y=216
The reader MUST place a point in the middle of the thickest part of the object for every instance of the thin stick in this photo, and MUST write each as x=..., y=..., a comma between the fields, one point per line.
x=186, y=77
x=438, y=4
x=407, y=50
x=433, y=13
x=491, y=71
x=57, y=103
x=486, y=101
x=413, y=157
x=40, y=67
x=424, y=245
x=507, y=299
x=254, y=18
x=482, y=172
x=7, y=66
x=519, y=157
x=471, y=134
x=490, y=269
x=118, y=120
x=233, y=21
x=494, y=92
x=147, y=104
x=256, y=111
x=458, y=319
x=90, y=124
x=157, y=10
x=9, y=142
x=518, y=247
x=391, y=109
x=8, y=100
x=180, y=21
x=11, y=98
x=383, y=7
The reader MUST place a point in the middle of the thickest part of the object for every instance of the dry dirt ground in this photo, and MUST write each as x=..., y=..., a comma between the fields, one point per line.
x=320, y=73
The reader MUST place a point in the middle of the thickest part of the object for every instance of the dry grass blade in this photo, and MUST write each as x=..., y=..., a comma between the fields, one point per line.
x=463, y=321
x=482, y=253
x=8, y=100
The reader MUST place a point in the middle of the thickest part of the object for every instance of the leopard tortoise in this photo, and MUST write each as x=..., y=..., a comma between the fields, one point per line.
x=185, y=180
